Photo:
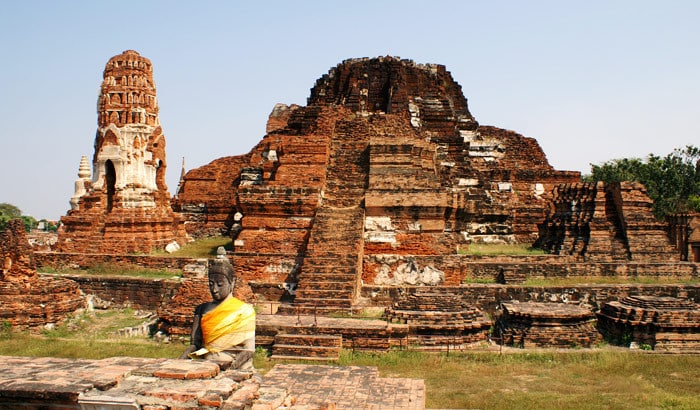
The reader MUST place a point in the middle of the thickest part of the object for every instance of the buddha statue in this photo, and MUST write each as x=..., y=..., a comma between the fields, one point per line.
x=223, y=329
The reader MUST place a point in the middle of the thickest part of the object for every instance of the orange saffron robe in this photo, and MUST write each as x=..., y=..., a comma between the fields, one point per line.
x=228, y=325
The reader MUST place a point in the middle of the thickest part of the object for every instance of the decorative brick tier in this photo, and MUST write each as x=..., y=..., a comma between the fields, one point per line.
x=357, y=334
x=437, y=318
x=533, y=324
x=488, y=297
x=665, y=323
x=60, y=260
x=458, y=269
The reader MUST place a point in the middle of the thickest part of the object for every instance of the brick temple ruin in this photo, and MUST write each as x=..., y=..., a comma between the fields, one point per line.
x=125, y=206
x=362, y=201
x=377, y=184
x=27, y=300
x=385, y=159
x=595, y=221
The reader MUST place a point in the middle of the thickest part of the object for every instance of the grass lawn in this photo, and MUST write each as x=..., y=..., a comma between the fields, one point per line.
x=606, y=378
x=87, y=336
x=603, y=378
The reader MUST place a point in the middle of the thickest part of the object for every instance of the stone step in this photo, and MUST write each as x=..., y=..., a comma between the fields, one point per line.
x=336, y=285
x=319, y=277
x=371, y=343
x=305, y=358
x=329, y=258
x=331, y=268
x=336, y=233
x=329, y=352
x=310, y=309
x=311, y=293
x=325, y=302
x=317, y=340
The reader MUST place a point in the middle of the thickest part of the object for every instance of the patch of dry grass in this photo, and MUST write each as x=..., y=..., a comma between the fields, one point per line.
x=591, y=380
x=501, y=249
x=90, y=335
x=110, y=269
x=200, y=248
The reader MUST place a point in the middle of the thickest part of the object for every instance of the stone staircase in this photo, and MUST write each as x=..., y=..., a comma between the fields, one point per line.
x=307, y=347
x=618, y=240
x=329, y=276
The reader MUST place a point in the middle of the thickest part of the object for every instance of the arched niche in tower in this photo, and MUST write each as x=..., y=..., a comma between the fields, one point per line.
x=110, y=182
x=160, y=176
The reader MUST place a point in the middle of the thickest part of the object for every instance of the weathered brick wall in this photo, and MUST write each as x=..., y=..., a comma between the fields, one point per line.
x=140, y=293
x=595, y=221
x=459, y=268
x=26, y=299
x=487, y=297
x=59, y=260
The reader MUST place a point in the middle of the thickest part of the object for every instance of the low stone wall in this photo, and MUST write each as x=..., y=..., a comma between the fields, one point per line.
x=457, y=269
x=59, y=260
x=139, y=293
x=488, y=297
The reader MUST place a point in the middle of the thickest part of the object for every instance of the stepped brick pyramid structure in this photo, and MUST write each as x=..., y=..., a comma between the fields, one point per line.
x=125, y=207
x=602, y=222
x=27, y=300
x=385, y=159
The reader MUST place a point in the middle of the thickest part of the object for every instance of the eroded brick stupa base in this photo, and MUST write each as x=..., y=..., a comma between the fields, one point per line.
x=664, y=323
x=534, y=324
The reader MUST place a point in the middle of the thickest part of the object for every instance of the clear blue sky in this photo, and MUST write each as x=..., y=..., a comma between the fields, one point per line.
x=590, y=80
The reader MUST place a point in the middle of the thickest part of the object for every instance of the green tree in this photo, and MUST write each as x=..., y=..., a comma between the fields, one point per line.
x=29, y=222
x=9, y=212
x=672, y=182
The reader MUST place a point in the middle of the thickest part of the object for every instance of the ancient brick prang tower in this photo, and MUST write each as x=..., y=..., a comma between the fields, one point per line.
x=384, y=163
x=126, y=206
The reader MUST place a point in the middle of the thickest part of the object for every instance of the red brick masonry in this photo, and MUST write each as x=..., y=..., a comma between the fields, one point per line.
x=149, y=384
